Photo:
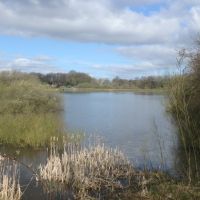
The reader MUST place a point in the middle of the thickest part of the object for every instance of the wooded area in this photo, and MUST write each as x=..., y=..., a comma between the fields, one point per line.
x=83, y=80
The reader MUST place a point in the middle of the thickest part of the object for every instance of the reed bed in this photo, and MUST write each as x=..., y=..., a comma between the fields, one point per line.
x=29, y=111
x=86, y=170
x=9, y=180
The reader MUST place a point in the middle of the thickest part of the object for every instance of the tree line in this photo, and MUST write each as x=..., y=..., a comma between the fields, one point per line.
x=83, y=80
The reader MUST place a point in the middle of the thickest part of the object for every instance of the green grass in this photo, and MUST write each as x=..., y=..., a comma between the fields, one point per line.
x=29, y=114
x=29, y=130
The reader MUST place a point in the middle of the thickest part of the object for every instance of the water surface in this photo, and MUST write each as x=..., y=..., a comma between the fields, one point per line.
x=136, y=123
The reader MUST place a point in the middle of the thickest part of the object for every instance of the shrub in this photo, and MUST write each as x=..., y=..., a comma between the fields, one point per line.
x=184, y=95
x=28, y=111
x=22, y=93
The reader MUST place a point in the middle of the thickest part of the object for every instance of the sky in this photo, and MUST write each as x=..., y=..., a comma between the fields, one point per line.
x=104, y=38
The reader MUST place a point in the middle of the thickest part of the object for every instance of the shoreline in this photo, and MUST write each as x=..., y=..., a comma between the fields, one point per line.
x=135, y=90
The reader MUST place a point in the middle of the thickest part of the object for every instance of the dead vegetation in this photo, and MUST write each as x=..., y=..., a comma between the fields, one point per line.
x=9, y=180
x=89, y=171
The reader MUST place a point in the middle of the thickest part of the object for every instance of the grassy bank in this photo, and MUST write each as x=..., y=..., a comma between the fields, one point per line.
x=135, y=90
x=29, y=130
x=28, y=111
x=159, y=186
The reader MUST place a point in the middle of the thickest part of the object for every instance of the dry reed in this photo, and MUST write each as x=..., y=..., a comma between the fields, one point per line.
x=9, y=180
x=88, y=169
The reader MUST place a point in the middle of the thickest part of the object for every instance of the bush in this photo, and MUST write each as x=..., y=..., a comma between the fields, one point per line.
x=184, y=93
x=28, y=111
x=185, y=97
x=22, y=93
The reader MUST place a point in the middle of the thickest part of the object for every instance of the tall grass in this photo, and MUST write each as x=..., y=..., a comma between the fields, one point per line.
x=94, y=170
x=29, y=130
x=184, y=93
x=9, y=180
x=28, y=111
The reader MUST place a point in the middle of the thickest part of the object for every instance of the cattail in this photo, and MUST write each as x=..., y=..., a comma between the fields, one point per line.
x=85, y=168
x=9, y=180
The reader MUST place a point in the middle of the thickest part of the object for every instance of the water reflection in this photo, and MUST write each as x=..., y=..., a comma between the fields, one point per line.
x=136, y=123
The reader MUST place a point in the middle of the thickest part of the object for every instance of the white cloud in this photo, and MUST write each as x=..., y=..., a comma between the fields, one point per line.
x=132, y=70
x=195, y=12
x=38, y=64
x=153, y=59
x=92, y=21
x=157, y=56
x=151, y=38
